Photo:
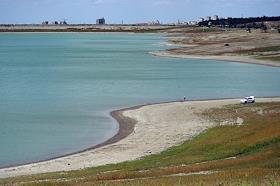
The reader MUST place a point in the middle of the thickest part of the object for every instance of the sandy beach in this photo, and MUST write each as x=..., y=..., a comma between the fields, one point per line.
x=144, y=130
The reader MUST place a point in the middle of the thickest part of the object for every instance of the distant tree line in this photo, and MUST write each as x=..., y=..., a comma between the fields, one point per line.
x=251, y=22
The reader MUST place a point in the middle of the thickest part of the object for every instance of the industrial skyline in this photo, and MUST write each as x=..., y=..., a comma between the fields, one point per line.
x=130, y=11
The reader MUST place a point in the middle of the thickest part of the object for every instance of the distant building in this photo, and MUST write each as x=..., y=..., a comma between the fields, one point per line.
x=179, y=22
x=63, y=22
x=192, y=23
x=201, y=19
x=155, y=22
x=45, y=23
x=215, y=17
x=55, y=23
x=208, y=18
x=100, y=21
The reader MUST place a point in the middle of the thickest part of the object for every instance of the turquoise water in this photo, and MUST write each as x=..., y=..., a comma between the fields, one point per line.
x=57, y=89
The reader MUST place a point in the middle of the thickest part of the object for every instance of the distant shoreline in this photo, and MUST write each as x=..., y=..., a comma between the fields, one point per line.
x=84, y=28
x=92, y=28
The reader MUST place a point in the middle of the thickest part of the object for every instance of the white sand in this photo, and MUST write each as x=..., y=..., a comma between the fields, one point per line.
x=158, y=127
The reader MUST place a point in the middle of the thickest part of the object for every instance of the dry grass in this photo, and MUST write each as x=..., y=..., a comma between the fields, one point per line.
x=272, y=58
x=261, y=49
x=228, y=42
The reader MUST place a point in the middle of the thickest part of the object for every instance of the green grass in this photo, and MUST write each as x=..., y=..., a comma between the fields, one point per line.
x=254, y=146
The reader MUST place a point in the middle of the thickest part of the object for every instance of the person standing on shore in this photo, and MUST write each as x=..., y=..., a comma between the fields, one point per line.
x=184, y=98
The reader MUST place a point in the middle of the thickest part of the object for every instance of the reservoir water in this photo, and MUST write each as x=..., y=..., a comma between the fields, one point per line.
x=57, y=89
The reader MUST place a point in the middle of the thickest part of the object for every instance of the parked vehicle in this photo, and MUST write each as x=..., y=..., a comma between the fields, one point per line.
x=250, y=99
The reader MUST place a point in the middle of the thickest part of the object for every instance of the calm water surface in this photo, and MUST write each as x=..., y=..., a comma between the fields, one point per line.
x=57, y=90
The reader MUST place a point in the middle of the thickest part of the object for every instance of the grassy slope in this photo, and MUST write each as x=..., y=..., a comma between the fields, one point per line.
x=232, y=155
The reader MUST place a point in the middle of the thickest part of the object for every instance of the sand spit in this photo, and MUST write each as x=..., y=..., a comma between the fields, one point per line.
x=239, y=59
x=156, y=128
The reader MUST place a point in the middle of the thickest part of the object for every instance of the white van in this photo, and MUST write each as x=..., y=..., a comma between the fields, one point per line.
x=250, y=99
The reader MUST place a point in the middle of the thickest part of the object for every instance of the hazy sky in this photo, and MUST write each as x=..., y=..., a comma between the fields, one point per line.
x=130, y=11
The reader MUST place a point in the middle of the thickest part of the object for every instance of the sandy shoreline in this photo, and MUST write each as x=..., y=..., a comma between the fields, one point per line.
x=144, y=130
x=126, y=126
x=238, y=59
x=82, y=28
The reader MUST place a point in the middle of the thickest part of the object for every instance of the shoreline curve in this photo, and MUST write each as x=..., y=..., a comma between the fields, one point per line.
x=126, y=126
